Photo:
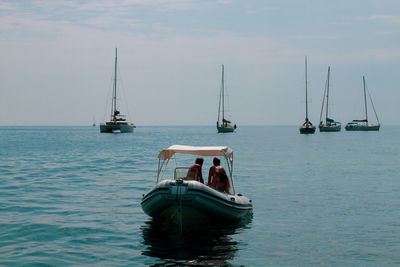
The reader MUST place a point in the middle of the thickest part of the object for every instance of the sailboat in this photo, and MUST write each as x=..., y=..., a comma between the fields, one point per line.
x=117, y=122
x=223, y=126
x=330, y=125
x=363, y=125
x=307, y=127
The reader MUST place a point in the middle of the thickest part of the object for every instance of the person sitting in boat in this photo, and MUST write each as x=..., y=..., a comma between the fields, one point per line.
x=222, y=181
x=212, y=172
x=194, y=171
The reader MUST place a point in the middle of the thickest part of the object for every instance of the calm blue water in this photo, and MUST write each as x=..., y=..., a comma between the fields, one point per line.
x=71, y=196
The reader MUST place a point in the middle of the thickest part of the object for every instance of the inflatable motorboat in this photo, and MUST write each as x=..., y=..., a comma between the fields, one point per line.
x=183, y=200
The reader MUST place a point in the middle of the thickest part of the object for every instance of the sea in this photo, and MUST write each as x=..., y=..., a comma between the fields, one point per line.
x=70, y=196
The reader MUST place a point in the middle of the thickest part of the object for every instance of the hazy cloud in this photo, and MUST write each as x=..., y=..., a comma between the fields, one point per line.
x=385, y=18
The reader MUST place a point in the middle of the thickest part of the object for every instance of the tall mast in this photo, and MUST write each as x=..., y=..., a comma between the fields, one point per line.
x=323, y=99
x=114, y=100
x=223, y=94
x=365, y=101
x=327, y=94
x=219, y=103
x=306, y=89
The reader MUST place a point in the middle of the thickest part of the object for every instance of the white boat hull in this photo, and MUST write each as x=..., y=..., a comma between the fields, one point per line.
x=179, y=201
x=370, y=127
x=228, y=129
x=113, y=127
x=329, y=128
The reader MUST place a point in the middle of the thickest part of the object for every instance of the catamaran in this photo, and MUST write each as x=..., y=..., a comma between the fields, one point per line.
x=307, y=127
x=182, y=199
x=223, y=126
x=117, y=122
x=330, y=125
x=363, y=125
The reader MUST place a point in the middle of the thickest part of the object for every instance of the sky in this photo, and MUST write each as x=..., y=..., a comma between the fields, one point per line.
x=57, y=60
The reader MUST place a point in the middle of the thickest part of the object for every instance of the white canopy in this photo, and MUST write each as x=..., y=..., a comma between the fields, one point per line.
x=196, y=150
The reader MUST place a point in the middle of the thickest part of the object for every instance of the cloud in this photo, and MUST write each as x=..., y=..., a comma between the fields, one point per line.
x=316, y=37
x=8, y=6
x=385, y=18
x=126, y=16
x=224, y=2
x=103, y=6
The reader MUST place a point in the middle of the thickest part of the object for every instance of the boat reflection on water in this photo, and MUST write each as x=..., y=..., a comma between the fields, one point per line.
x=212, y=245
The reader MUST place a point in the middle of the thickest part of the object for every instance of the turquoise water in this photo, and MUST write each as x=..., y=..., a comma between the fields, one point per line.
x=71, y=196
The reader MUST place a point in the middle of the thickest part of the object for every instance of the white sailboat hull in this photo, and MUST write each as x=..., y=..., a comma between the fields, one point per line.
x=179, y=201
x=329, y=128
x=362, y=127
x=225, y=129
x=110, y=127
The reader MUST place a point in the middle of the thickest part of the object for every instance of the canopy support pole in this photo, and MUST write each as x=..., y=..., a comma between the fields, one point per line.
x=229, y=162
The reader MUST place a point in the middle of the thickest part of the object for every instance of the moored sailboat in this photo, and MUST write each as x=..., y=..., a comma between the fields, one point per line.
x=117, y=122
x=364, y=125
x=330, y=125
x=223, y=126
x=307, y=127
